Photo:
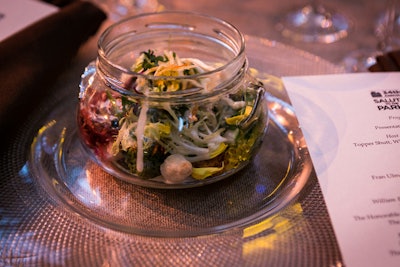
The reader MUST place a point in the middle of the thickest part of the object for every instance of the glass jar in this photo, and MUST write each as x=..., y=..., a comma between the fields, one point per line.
x=169, y=101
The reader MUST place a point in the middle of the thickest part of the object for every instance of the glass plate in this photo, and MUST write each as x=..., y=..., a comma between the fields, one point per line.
x=270, y=182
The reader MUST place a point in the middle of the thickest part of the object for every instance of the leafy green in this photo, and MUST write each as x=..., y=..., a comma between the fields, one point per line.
x=150, y=60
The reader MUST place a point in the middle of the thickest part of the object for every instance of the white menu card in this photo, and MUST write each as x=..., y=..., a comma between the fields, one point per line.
x=351, y=123
x=17, y=14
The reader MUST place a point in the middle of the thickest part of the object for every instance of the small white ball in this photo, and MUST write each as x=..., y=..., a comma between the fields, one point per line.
x=175, y=169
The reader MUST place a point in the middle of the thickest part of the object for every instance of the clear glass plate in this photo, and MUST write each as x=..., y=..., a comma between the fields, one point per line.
x=270, y=182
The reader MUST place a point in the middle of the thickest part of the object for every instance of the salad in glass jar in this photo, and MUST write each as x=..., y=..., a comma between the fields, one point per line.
x=170, y=101
x=168, y=141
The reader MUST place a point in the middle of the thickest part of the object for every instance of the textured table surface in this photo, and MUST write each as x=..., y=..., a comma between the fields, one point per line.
x=36, y=232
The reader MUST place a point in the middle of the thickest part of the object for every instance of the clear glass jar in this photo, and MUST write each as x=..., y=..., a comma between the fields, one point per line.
x=169, y=101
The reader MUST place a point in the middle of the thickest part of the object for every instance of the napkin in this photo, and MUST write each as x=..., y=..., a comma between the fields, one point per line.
x=33, y=58
x=389, y=61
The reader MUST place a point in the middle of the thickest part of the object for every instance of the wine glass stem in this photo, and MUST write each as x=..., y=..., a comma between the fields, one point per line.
x=386, y=35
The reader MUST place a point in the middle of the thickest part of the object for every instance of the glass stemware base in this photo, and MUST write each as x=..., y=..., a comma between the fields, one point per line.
x=387, y=29
x=360, y=60
x=314, y=23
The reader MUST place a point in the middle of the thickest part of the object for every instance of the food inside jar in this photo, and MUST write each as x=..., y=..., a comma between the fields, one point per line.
x=172, y=141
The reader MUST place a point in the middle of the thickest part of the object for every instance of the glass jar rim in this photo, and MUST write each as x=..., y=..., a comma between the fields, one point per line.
x=239, y=54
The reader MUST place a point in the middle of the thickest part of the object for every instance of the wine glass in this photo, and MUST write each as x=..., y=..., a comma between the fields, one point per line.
x=314, y=22
x=387, y=24
x=396, y=28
